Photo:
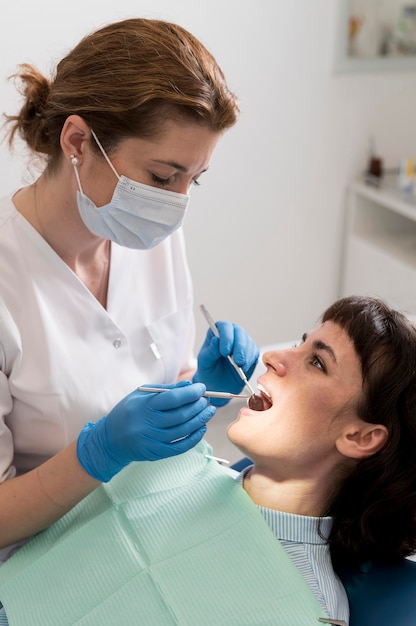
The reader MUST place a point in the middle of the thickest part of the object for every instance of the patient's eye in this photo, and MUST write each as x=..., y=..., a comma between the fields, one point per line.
x=318, y=362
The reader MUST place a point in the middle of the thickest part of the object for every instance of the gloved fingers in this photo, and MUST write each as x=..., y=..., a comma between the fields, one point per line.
x=183, y=445
x=176, y=424
x=235, y=341
x=197, y=422
x=245, y=350
x=210, y=350
x=226, y=338
x=157, y=451
x=179, y=396
x=179, y=440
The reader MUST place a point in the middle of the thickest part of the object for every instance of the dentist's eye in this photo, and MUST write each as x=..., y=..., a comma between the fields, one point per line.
x=163, y=182
x=318, y=363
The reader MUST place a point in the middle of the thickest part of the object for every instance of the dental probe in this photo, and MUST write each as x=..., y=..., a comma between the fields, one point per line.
x=254, y=402
x=207, y=394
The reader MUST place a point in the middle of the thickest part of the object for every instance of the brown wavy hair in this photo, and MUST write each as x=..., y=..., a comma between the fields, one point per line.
x=374, y=510
x=126, y=79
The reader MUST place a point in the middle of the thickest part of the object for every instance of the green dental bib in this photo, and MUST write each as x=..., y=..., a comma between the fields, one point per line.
x=176, y=541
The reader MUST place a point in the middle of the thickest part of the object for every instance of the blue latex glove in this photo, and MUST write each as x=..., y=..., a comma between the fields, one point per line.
x=214, y=368
x=145, y=427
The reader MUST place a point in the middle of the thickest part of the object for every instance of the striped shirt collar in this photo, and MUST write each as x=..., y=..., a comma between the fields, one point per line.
x=291, y=527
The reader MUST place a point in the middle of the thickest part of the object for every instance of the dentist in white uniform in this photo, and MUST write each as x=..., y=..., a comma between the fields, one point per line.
x=95, y=291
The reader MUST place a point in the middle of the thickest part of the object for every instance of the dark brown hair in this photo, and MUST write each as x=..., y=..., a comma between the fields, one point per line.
x=125, y=80
x=374, y=510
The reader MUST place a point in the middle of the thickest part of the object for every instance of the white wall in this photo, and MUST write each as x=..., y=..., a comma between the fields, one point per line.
x=265, y=228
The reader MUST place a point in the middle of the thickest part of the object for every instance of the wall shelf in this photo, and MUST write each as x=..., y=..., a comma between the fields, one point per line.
x=379, y=257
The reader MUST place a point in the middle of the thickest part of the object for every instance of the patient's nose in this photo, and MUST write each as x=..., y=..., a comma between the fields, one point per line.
x=276, y=361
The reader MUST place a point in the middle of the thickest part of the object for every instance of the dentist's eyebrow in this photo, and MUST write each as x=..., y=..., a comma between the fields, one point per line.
x=177, y=166
x=320, y=345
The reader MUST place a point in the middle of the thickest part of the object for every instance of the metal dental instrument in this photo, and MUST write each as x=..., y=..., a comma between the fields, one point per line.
x=254, y=402
x=218, y=459
x=207, y=394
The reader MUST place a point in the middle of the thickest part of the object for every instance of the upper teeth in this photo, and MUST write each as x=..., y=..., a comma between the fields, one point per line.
x=262, y=389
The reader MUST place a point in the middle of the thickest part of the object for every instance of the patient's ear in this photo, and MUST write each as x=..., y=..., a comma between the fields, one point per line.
x=362, y=439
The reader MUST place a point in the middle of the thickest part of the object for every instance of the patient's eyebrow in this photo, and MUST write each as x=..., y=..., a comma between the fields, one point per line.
x=320, y=345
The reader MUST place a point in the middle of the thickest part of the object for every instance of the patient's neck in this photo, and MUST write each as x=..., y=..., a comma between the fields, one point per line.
x=300, y=496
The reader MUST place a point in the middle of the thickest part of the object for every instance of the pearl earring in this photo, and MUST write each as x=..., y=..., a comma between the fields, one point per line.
x=74, y=159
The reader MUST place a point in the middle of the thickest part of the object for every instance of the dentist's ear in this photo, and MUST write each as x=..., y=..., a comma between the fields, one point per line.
x=362, y=439
x=75, y=133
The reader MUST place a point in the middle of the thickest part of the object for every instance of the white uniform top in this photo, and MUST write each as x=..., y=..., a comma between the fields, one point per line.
x=64, y=359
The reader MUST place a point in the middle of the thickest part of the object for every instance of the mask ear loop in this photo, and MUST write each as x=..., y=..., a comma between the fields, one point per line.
x=104, y=153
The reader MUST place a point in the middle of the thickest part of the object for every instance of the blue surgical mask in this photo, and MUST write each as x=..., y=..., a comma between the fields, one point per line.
x=138, y=216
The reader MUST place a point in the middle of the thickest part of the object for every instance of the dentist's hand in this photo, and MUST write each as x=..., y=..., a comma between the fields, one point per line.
x=145, y=427
x=214, y=368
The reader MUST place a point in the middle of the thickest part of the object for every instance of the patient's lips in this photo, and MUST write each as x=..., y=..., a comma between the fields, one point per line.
x=255, y=403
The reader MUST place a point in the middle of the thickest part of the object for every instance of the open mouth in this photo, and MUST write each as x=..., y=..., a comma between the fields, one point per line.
x=266, y=397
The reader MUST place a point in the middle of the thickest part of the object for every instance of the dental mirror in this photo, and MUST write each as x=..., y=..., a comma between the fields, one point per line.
x=255, y=403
